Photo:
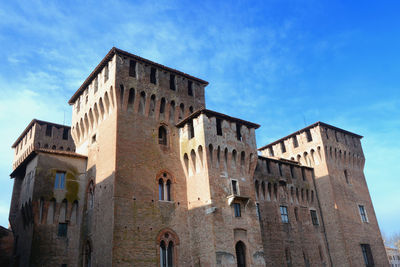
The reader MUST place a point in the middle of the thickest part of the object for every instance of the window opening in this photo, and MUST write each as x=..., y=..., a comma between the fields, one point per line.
x=295, y=142
x=191, y=129
x=161, y=189
x=280, y=169
x=240, y=254
x=60, y=180
x=308, y=135
x=121, y=94
x=162, y=135
x=284, y=214
x=132, y=68
x=131, y=99
x=234, y=187
x=153, y=72
x=296, y=213
x=258, y=211
x=169, y=190
x=303, y=174
x=162, y=105
x=172, y=82
x=190, y=88
x=236, y=207
x=346, y=177
x=367, y=255
x=314, y=217
x=283, y=147
x=48, y=130
x=219, y=128
x=65, y=133
x=106, y=73
x=292, y=172
x=238, y=133
x=363, y=213
x=62, y=229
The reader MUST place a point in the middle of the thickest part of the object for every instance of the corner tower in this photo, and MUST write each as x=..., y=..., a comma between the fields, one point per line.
x=337, y=158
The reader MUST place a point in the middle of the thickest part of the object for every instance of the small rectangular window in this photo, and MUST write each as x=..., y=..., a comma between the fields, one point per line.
x=268, y=166
x=219, y=127
x=271, y=151
x=190, y=88
x=303, y=174
x=153, y=72
x=280, y=169
x=292, y=171
x=62, y=229
x=295, y=142
x=236, y=207
x=48, y=129
x=367, y=255
x=283, y=147
x=191, y=129
x=284, y=214
x=363, y=213
x=132, y=68
x=308, y=135
x=314, y=217
x=65, y=133
x=238, y=133
x=346, y=176
x=172, y=85
x=235, y=190
x=59, y=182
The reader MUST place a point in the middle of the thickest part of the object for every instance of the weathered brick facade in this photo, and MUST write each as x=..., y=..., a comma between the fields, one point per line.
x=154, y=178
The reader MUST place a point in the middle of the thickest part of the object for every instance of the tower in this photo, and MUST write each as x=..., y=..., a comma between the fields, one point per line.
x=337, y=158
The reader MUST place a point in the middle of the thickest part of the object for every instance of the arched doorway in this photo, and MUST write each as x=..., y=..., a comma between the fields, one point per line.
x=240, y=254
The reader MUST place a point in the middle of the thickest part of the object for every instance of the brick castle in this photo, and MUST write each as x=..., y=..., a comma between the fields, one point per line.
x=147, y=176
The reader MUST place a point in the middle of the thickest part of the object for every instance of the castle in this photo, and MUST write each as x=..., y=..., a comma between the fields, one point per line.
x=147, y=176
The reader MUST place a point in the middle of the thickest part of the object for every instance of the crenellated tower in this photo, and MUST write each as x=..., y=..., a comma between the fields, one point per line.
x=338, y=161
x=219, y=156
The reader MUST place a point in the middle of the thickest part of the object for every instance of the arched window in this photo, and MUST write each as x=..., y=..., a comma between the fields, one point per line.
x=152, y=105
x=165, y=187
x=168, y=241
x=131, y=99
x=121, y=95
x=142, y=102
x=256, y=185
x=169, y=190
x=172, y=112
x=162, y=108
x=240, y=254
x=162, y=135
x=161, y=189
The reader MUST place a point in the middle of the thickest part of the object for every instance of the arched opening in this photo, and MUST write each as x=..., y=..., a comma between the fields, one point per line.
x=200, y=153
x=152, y=105
x=181, y=110
x=256, y=185
x=211, y=151
x=186, y=160
x=234, y=157
x=162, y=108
x=172, y=112
x=107, y=102
x=160, y=189
x=142, y=102
x=131, y=99
x=263, y=189
x=101, y=110
x=162, y=135
x=193, y=158
x=168, y=190
x=240, y=254
x=90, y=193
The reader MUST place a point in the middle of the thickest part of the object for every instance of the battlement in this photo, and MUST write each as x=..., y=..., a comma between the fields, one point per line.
x=42, y=134
x=309, y=145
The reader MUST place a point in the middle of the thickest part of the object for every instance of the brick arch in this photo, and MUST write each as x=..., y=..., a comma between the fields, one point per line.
x=169, y=176
x=172, y=236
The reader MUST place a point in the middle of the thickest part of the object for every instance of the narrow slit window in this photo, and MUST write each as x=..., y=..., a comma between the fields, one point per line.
x=314, y=217
x=153, y=74
x=191, y=129
x=190, y=88
x=363, y=213
x=132, y=68
x=172, y=85
x=283, y=147
x=59, y=182
x=219, y=126
x=238, y=133
x=162, y=135
x=295, y=142
x=308, y=135
x=234, y=187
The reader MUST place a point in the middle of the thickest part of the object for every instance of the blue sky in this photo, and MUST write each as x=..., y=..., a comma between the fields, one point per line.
x=282, y=64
